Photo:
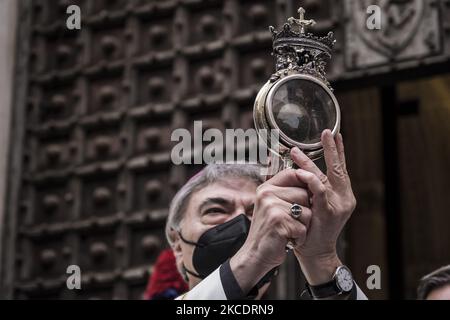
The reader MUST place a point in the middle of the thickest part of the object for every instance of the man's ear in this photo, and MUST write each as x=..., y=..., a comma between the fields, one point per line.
x=176, y=246
x=178, y=253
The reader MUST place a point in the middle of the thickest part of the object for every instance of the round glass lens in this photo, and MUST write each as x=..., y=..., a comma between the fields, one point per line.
x=302, y=109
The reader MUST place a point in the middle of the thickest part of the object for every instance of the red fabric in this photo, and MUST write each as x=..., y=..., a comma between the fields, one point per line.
x=165, y=276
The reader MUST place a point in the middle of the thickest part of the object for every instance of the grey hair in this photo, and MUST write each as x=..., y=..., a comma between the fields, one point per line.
x=210, y=174
x=436, y=279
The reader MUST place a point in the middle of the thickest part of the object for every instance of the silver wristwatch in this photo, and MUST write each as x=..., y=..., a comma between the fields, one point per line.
x=341, y=283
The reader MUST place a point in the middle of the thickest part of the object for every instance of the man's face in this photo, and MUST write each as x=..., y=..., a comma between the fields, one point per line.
x=441, y=293
x=215, y=204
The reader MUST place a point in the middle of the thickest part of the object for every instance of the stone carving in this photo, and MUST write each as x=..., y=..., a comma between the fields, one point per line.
x=409, y=30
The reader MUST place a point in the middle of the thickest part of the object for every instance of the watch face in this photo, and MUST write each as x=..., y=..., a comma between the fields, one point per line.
x=344, y=279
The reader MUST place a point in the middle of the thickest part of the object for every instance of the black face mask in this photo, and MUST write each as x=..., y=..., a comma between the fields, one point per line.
x=217, y=245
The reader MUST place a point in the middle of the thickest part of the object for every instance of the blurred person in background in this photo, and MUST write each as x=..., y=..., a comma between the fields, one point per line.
x=165, y=282
x=436, y=285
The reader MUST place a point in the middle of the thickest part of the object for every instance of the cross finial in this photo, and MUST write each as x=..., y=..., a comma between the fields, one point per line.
x=301, y=22
x=301, y=12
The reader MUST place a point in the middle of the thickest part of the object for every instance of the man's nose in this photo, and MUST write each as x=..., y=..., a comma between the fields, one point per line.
x=237, y=212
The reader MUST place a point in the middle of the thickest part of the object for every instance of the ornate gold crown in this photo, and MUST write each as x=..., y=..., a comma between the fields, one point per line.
x=301, y=51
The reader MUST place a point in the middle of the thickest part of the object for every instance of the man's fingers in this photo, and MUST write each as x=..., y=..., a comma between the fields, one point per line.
x=286, y=178
x=305, y=217
x=282, y=218
x=318, y=189
x=304, y=162
x=292, y=195
x=335, y=167
x=294, y=230
x=341, y=151
x=298, y=233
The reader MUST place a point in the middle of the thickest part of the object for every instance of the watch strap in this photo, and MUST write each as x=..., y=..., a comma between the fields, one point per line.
x=324, y=290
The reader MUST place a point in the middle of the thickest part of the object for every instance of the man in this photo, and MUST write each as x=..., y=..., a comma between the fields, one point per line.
x=223, y=256
x=436, y=285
